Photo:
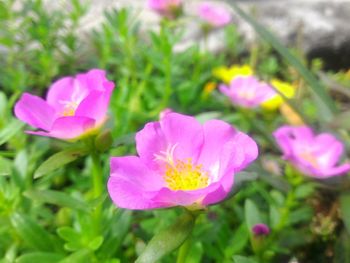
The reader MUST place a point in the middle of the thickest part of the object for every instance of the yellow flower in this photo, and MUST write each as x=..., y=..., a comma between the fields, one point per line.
x=291, y=116
x=285, y=88
x=208, y=88
x=227, y=74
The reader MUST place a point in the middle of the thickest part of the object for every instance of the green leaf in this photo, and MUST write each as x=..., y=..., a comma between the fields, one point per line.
x=81, y=256
x=238, y=241
x=58, y=160
x=345, y=210
x=167, y=240
x=323, y=101
x=57, y=198
x=305, y=190
x=10, y=130
x=342, y=248
x=240, y=179
x=68, y=234
x=120, y=225
x=241, y=259
x=196, y=253
x=3, y=100
x=252, y=214
x=32, y=233
x=96, y=243
x=39, y=257
x=5, y=166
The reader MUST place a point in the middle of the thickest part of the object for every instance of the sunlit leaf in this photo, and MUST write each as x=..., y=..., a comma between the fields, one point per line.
x=32, y=233
x=167, y=240
x=57, y=198
x=39, y=257
x=345, y=210
x=252, y=214
x=58, y=160
x=10, y=130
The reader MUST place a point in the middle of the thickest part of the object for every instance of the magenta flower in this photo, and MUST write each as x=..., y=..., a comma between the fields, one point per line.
x=167, y=8
x=314, y=155
x=214, y=15
x=180, y=162
x=260, y=230
x=247, y=91
x=73, y=107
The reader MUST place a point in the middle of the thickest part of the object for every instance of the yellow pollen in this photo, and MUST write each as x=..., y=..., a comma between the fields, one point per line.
x=309, y=157
x=69, y=109
x=183, y=175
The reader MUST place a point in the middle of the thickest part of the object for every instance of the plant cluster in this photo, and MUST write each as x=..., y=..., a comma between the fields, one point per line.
x=136, y=151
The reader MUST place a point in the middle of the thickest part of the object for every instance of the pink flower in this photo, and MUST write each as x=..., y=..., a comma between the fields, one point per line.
x=165, y=112
x=314, y=155
x=214, y=15
x=260, y=229
x=168, y=8
x=247, y=91
x=73, y=107
x=180, y=162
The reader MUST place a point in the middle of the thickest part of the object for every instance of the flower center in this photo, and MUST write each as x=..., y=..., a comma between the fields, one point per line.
x=69, y=108
x=310, y=158
x=248, y=95
x=182, y=175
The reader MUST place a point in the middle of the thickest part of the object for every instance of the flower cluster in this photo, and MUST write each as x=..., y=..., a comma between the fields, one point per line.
x=180, y=161
x=245, y=90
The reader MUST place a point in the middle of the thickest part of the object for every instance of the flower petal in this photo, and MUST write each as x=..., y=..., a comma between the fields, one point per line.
x=132, y=185
x=95, y=105
x=61, y=92
x=328, y=150
x=133, y=168
x=150, y=141
x=185, y=132
x=184, y=198
x=34, y=111
x=71, y=127
x=339, y=170
x=291, y=139
x=216, y=134
x=94, y=79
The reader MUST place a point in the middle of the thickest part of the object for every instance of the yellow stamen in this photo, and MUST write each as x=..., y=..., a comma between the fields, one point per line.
x=183, y=175
x=69, y=109
x=310, y=158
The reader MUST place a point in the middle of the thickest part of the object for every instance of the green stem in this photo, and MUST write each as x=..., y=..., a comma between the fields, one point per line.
x=286, y=210
x=96, y=175
x=250, y=116
x=183, y=251
x=97, y=184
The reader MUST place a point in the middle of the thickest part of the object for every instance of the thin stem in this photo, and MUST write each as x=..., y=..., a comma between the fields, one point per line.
x=97, y=185
x=96, y=175
x=183, y=251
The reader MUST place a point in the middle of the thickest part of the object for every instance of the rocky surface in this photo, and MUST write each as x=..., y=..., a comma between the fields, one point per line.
x=319, y=27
